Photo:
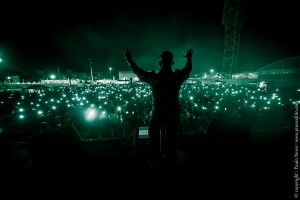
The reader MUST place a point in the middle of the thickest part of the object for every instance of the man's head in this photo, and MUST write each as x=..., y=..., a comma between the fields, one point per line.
x=166, y=59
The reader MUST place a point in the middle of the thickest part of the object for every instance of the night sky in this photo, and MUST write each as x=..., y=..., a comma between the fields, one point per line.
x=50, y=36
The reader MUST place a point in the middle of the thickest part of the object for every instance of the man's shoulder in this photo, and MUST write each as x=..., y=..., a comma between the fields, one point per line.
x=181, y=72
x=149, y=73
x=178, y=71
x=152, y=73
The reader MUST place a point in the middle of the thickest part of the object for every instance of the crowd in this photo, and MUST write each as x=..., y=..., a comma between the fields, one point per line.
x=116, y=110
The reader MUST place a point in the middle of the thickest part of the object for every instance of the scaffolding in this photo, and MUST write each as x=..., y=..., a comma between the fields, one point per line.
x=233, y=19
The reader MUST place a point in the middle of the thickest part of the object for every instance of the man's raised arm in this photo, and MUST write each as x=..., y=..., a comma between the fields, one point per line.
x=137, y=70
x=188, y=66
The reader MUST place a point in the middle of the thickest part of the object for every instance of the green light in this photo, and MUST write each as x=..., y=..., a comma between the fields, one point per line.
x=91, y=114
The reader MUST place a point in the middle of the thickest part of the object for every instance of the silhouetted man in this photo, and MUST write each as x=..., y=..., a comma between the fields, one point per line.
x=165, y=85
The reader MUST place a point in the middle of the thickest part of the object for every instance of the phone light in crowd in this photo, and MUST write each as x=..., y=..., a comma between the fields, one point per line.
x=40, y=112
x=103, y=114
x=90, y=114
x=21, y=109
x=119, y=108
x=21, y=116
x=53, y=107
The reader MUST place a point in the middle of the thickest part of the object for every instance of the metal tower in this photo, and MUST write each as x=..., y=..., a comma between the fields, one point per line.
x=91, y=62
x=1, y=56
x=233, y=19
